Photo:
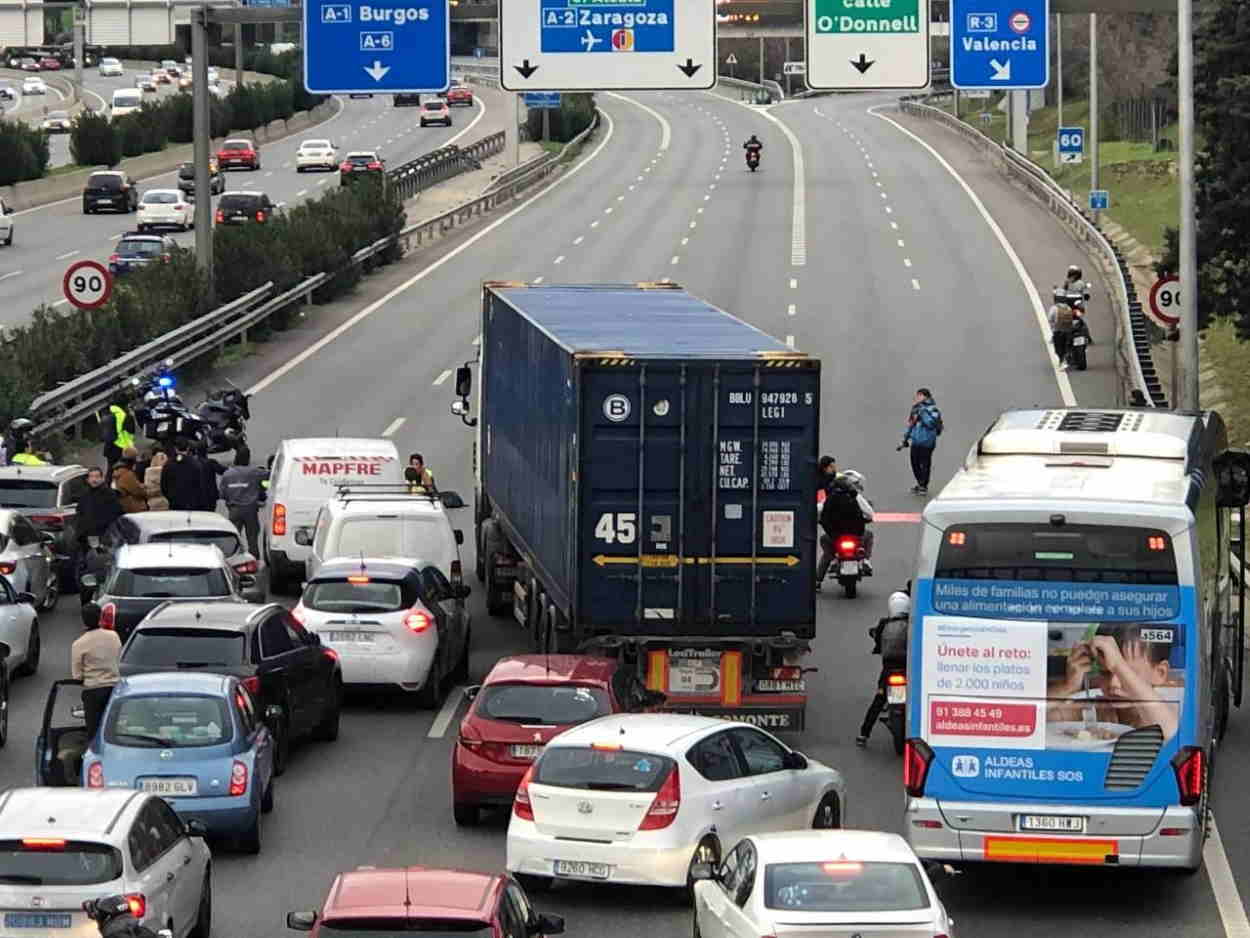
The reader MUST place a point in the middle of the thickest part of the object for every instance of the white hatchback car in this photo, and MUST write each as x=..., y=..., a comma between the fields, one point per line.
x=34, y=86
x=642, y=798
x=111, y=68
x=62, y=846
x=316, y=154
x=160, y=208
x=803, y=883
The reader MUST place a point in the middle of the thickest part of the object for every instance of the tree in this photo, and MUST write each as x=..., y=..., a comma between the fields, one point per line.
x=94, y=141
x=1222, y=192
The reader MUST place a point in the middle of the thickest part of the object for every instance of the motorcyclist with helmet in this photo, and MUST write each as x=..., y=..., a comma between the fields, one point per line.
x=889, y=638
x=846, y=511
x=754, y=149
x=116, y=919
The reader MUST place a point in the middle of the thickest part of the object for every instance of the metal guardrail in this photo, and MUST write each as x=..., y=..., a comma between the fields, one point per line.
x=518, y=171
x=1132, y=331
x=442, y=164
x=83, y=397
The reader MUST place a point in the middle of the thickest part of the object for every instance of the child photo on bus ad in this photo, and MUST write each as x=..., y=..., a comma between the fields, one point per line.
x=1116, y=677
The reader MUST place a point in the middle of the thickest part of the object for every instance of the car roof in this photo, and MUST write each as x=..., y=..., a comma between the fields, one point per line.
x=177, y=192
x=41, y=473
x=230, y=140
x=132, y=556
x=362, y=153
x=815, y=846
x=552, y=669
x=72, y=813
x=362, y=503
x=158, y=521
x=162, y=682
x=435, y=893
x=332, y=447
x=389, y=568
x=655, y=732
x=226, y=616
x=248, y=192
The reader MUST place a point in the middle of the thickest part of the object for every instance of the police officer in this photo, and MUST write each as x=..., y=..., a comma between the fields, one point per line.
x=890, y=642
x=243, y=490
x=28, y=457
x=117, y=433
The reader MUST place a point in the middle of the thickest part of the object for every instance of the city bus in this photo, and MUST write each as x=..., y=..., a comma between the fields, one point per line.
x=1077, y=640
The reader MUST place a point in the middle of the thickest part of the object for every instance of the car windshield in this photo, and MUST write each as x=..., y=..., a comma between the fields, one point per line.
x=139, y=248
x=183, y=648
x=543, y=704
x=315, y=145
x=160, y=198
x=226, y=542
x=433, y=105
x=236, y=145
x=186, y=171
x=345, y=596
x=361, y=159
x=104, y=181
x=59, y=115
x=844, y=886
x=406, y=536
x=167, y=721
x=234, y=202
x=27, y=493
x=126, y=100
x=602, y=769
x=168, y=582
x=72, y=863
x=393, y=928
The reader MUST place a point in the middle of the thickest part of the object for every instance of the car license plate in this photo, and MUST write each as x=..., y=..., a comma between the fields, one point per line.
x=105, y=201
x=781, y=687
x=849, y=568
x=1079, y=341
x=525, y=751
x=581, y=870
x=168, y=786
x=896, y=694
x=38, y=920
x=360, y=638
x=1052, y=822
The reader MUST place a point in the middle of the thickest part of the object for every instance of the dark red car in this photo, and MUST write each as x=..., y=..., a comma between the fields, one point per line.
x=239, y=152
x=372, y=903
x=459, y=95
x=49, y=64
x=524, y=702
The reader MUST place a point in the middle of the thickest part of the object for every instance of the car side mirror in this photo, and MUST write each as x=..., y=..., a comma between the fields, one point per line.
x=303, y=537
x=463, y=591
x=247, y=581
x=164, y=933
x=196, y=828
x=702, y=871
x=273, y=714
x=794, y=760
x=301, y=921
x=78, y=712
x=26, y=599
x=459, y=537
x=470, y=693
x=464, y=381
x=451, y=499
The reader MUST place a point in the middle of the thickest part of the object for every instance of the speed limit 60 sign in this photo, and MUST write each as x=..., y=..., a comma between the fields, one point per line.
x=87, y=284
x=1165, y=301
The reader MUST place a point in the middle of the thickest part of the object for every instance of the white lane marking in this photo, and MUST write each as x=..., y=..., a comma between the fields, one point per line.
x=685, y=241
x=632, y=188
x=790, y=341
x=440, y=379
x=900, y=240
x=538, y=279
x=267, y=175
x=420, y=275
x=640, y=178
x=694, y=224
x=477, y=340
x=883, y=195
x=399, y=421
x=675, y=259
x=301, y=193
x=794, y=283
x=620, y=198
x=445, y=715
x=608, y=210
x=579, y=239
x=888, y=210
x=1030, y=290
x=906, y=261
x=894, y=225
x=559, y=260
x=699, y=210
x=60, y=302
x=666, y=130
x=792, y=309
x=706, y=197
x=915, y=284
x=1227, y=896
x=61, y=257
x=11, y=273
x=322, y=182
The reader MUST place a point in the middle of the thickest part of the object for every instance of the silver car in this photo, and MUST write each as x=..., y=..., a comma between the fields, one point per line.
x=26, y=559
x=19, y=630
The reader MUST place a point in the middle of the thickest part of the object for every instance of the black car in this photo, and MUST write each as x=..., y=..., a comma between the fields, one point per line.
x=240, y=208
x=136, y=250
x=186, y=179
x=297, y=681
x=361, y=164
x=407, y=100
x=111, y=190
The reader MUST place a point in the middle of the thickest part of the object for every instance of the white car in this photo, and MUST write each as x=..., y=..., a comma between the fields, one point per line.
x=111, y=68
x=641, y=798
x=58, y=122
x=19, y=630
x=34, y=86
x=801, y=883
x=393, y=623
x=26, y=559
x=6, y=223
x=316, y=154
x=62, y=846
x=213, y=76
x=145, y=82
x=165, y=207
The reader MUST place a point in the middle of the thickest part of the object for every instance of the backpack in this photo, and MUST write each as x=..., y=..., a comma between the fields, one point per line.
x=891, y=639
x=1064, y=318
x=931, y=418
x=938, y=425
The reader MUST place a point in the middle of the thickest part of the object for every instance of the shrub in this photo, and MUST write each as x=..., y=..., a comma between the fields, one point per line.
x=131, y=133
x=23, y=152
x=574, y=115
x=244, y=114
x=94, y=141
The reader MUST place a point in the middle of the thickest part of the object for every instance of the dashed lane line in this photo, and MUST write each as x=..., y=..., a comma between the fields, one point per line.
x=398, y=421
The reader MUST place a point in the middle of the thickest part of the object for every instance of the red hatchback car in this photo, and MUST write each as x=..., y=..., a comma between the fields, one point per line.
x=524, y=702
x=459, y=95
x=372, y=903
x=239, y=151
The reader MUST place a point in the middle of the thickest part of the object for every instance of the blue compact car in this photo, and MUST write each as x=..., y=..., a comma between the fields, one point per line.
x=196, y=740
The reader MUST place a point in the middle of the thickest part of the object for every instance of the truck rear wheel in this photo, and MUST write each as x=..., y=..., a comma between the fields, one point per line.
x=494, y=544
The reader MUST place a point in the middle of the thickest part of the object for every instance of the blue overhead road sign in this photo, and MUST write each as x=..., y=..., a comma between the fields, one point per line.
x=542, y=100
x=377, y=46
x=627, y=26
x=1000, y=43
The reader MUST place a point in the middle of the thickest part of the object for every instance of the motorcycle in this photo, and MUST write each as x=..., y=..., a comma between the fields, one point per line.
x=753, y=160
x=848, y=567
x=217, y=425
x=894, y=717
x=225, y=413
x=1079, y=343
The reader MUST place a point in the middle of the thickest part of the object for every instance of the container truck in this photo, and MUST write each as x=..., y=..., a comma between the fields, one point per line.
x=645, y=471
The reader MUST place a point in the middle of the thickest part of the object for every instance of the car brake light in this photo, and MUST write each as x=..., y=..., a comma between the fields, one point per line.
x=252, y=684
x=418, y=620
x=346, y=166
x=471, y=742
x=7, y=567
x=108, y=616
x=917, y=756
x=357, y=579
x=164, y=258
x=238, y=778
x=114, y=258
x=246, y=567
x=606, y=747
x=787, y=674
x=138, y=904
x=221, y=217
x=1190, y=767
x=375, y=165
x=279, y=510
x=95, y=775
x=842, y=868
x=43, y=843
x=663, y=810
x=896, y=679
x=260, y=215
x=521, y=806
x=848, y=546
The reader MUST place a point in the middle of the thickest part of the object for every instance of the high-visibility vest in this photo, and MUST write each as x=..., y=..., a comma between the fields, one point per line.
x=123, y=439
x=28, y=459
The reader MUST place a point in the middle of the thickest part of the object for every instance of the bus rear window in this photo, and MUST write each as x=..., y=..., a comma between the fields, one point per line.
x=1078, y=553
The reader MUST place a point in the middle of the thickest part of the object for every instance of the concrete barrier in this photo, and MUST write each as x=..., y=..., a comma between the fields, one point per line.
x=36, y=192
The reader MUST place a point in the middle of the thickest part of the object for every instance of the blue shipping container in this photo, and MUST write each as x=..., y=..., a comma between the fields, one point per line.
x=652, y=458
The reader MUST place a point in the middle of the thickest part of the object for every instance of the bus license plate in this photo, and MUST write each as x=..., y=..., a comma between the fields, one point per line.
x=1052, y=822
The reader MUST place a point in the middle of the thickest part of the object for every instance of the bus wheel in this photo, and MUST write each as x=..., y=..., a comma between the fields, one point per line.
x=1222, y=705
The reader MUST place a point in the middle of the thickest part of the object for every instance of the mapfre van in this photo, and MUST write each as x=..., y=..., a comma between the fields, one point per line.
x=305, y=473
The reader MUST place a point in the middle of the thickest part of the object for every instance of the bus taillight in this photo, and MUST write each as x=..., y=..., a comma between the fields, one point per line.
x=917, y=756
x=1190, y=767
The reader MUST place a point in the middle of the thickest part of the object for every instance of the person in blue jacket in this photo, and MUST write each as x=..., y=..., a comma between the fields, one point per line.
x=924, y=426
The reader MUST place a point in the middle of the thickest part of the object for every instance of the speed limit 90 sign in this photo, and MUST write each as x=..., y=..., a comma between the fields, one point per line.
x=1165, y=301
x=87, y=284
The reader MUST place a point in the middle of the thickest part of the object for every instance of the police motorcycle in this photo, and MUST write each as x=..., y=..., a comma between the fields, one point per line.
x=217, y=425
x=226, y=412
x=1075, y=294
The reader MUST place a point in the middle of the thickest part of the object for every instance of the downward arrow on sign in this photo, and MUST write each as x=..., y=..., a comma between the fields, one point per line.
x=1002, y=70
x=377, y=71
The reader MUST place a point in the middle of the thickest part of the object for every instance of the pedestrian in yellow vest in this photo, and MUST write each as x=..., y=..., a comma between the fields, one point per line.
x=117, y=433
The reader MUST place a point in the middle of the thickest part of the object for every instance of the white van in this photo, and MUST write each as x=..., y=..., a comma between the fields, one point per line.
x=360, y=523
x=125, y=101
x=305, y=473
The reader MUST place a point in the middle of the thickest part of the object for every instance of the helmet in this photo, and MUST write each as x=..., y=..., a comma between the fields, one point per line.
x=21, y=425
x=899, y=604
x=852, y=478
x=1074, y=272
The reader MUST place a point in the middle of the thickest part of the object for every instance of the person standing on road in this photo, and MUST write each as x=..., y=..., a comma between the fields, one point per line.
x=924, y=426
x=243, y=491
x=94, y=659
x=130, y=491
x=180, y=480
x=97, y=510
x=117, y=433
x=152, y=482
x=210, y=469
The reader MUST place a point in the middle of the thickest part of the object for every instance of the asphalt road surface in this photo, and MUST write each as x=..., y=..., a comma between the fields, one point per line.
x=893, y=277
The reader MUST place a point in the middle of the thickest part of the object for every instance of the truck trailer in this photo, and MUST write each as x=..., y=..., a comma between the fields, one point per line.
x=645, y=471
